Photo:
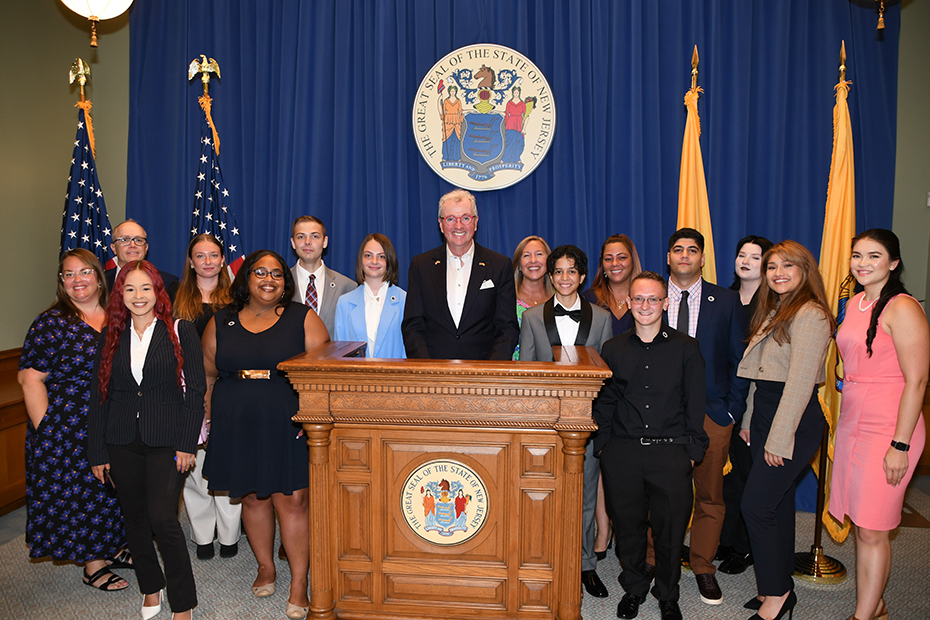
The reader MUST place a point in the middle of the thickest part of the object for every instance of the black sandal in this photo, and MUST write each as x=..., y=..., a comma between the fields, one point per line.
x=105, y=586
x=123, y=559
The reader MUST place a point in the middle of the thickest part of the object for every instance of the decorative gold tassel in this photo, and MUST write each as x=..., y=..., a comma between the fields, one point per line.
x=205, y=102
x=881, y=15
x=86, y=105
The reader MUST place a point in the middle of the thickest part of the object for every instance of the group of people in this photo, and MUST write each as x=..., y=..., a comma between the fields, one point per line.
x=140, y=387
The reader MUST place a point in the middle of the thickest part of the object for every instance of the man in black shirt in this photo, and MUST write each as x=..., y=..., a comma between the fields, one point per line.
x=650, y=419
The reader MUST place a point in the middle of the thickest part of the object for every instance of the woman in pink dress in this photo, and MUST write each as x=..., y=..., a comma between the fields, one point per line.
x=885, y=344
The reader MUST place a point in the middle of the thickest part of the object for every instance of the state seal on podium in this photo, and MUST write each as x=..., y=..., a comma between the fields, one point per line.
x=484, y=117
x=444, y=502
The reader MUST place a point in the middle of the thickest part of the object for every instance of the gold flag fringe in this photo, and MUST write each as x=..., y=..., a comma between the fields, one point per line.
x=86, y=106
x=205, y=102
x=691, y=100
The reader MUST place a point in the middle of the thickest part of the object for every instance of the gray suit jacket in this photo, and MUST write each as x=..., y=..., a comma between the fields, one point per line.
x=538, y=331
x=336, y=285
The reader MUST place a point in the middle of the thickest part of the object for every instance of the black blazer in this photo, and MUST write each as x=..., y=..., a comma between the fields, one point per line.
x=720, y=332
x=488, y=328
x=167, y=416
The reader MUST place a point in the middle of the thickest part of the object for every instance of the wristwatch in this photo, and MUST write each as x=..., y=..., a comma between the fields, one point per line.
x=900, y=445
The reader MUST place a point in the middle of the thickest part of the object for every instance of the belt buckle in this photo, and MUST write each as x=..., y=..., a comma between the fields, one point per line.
x=255, y=374
x=645, y=442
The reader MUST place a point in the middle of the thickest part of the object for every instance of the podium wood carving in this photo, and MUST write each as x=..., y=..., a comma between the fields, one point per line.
x=445, y=489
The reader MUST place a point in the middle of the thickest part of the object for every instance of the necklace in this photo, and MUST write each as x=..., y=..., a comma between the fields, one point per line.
x=259, y=313
x=871, y=303
x=527, y=295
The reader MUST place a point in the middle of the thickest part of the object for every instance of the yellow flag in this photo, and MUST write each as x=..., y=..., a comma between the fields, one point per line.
x=693, y=209
x=839, y=227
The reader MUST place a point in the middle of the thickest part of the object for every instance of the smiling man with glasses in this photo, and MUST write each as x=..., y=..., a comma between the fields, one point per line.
x=650, y=418
x=476, y=318
x=130, y=243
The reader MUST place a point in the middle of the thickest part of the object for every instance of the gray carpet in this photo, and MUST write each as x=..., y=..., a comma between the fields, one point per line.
x=39, y=590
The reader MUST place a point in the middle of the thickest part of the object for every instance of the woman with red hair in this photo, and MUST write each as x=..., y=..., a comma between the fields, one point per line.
x=145, y=415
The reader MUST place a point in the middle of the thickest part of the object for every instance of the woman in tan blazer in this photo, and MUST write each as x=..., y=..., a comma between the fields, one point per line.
x=783, y=424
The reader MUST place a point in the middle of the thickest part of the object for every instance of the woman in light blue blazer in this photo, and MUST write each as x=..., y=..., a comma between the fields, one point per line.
x=373, y=312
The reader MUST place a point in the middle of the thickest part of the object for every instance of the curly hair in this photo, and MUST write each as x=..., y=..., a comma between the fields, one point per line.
x=118, y=317
x=240, y=286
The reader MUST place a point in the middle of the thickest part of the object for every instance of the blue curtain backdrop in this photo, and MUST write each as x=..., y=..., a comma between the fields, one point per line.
x=315, y=102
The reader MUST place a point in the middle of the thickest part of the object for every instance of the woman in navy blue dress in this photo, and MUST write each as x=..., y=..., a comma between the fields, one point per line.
x=69, y=514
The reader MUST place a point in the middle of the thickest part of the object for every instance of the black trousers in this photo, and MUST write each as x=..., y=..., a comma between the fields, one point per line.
x=643, y=486
x=734, y=532
x=149, y=486
x=768, y=501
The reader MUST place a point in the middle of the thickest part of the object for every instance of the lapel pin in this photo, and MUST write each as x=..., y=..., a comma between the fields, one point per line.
x=710, y=298
x=482, y=264
x=231, y=323
x=439, y=261
x=393, y=298
x=332, y=285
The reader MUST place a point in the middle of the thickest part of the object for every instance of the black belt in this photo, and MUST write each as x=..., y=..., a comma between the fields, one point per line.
x=661, y=441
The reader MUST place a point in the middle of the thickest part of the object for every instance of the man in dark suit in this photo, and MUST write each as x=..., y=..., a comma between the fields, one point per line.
x=461, y=301
x=130, y=242
x=315, y=284
x=569, y=319
x=713, y=315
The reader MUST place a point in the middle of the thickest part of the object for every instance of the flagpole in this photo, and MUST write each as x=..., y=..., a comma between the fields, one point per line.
x=815, y=566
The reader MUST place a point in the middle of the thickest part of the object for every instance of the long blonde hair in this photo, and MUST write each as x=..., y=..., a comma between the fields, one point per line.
x=188, y=302
x=518, y=254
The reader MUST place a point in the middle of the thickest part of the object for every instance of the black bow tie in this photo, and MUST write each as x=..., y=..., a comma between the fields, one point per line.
x=574, y=315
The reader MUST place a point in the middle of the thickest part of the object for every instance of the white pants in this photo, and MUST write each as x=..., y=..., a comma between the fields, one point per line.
x=209, y=510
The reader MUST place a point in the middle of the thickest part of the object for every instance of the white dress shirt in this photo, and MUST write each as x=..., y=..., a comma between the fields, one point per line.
x=374, y=303
x=139, y=348
x=458, y=273
x=303, y=278
x=568, y=327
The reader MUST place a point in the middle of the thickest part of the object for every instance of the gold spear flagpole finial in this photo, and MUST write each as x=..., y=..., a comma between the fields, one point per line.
x=843, y=61
x=205, y=68
x=80, y=72
x=694, y=67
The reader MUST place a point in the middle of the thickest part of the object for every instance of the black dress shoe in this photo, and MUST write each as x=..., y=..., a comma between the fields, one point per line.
x=736, y=563
x=629, y=606
x=229, y=551
x=205, y=552
x=753, y=604
x=669, y=610
x=593, y=584
x=723, y=552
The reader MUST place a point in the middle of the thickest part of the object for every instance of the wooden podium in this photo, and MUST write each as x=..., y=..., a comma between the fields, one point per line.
x=445, y=488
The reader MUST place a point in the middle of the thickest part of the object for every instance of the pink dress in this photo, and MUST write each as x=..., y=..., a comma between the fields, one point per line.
x=868, y=415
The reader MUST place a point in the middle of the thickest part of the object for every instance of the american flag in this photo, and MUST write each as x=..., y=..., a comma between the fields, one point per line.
x=211, y=213
x=84, y=221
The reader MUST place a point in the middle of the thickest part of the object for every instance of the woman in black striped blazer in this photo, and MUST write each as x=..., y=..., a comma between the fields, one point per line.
x=144, y=420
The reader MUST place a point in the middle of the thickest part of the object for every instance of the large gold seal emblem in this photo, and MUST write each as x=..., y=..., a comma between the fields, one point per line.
x=484, y=117
x=444, y=502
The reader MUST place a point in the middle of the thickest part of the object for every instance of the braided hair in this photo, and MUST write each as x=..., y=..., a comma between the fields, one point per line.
x=894, y=286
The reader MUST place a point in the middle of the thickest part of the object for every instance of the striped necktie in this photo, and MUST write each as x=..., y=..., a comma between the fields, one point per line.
x=310, y=298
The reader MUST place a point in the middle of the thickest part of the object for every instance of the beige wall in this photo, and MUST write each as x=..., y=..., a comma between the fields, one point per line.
x=41, y=38
x=37, y=125
x=912, y=160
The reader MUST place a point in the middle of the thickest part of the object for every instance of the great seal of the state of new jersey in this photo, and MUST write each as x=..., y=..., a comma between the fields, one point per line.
x=484, y=117
x=444, y=502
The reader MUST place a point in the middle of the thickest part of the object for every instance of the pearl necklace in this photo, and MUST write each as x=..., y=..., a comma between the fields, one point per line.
x=871, y=303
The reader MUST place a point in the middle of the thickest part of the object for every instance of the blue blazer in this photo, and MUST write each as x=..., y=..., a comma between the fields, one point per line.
x=720, y=332
x=350, y=322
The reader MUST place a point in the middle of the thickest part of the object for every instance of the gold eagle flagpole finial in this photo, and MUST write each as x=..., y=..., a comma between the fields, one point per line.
x=694, y=68
x=80, y=72
x=204, y=67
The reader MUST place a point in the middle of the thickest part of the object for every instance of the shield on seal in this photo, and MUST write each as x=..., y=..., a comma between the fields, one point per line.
x=484, y=137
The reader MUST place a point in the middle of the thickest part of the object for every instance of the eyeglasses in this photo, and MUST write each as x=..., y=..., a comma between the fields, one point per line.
x=639, y=300
x=464, y=219
x=70, y=275
x=261, y=273
x=124, y=241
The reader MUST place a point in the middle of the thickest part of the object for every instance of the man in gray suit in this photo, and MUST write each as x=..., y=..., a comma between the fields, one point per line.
x=315, y=284
x=568, y=319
